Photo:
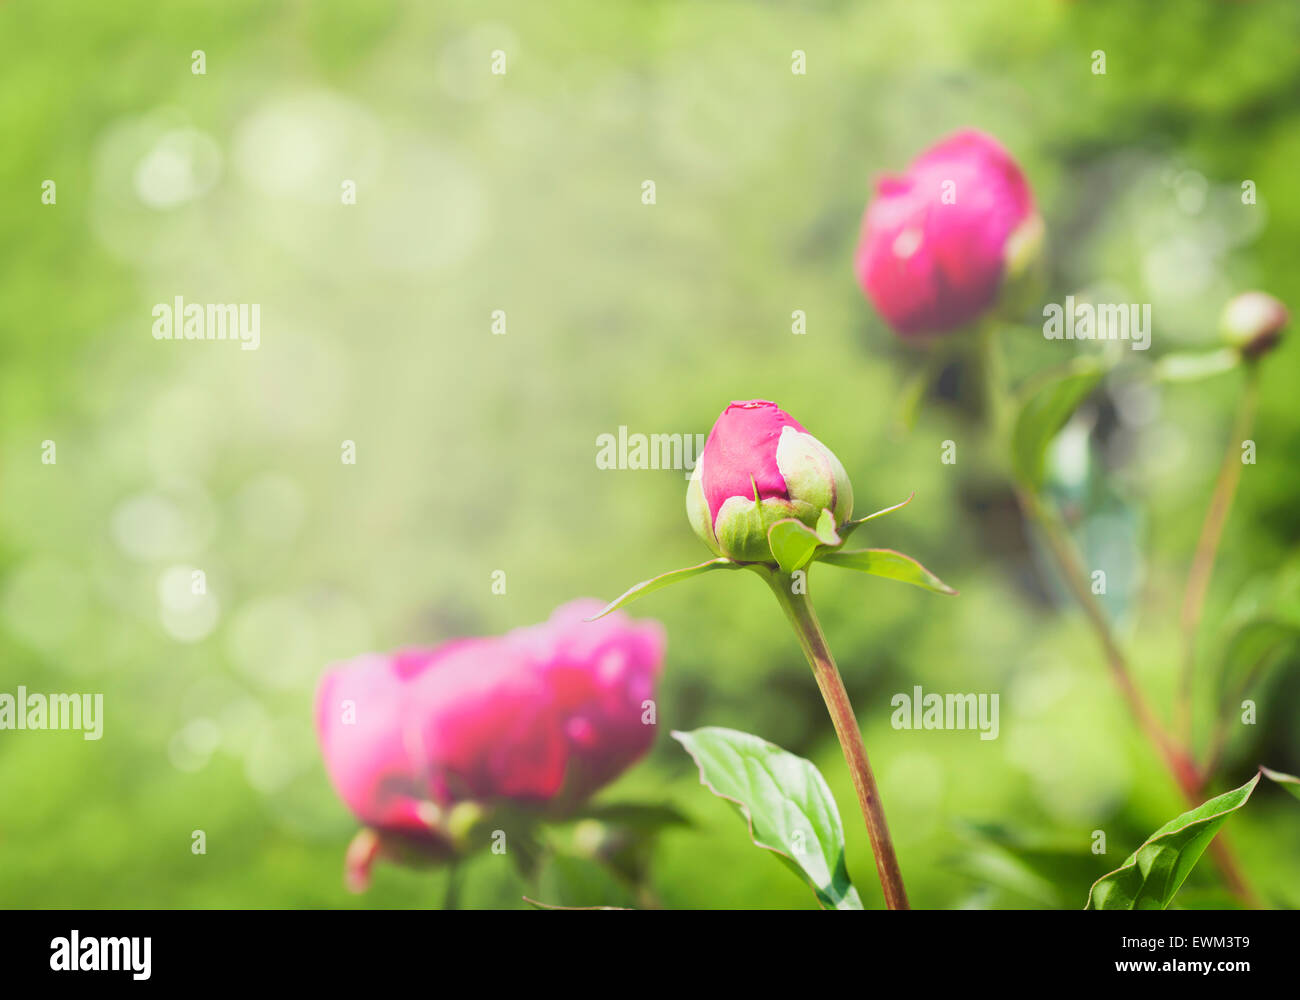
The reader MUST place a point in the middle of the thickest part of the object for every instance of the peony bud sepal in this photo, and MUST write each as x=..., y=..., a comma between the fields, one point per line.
x=794, y=546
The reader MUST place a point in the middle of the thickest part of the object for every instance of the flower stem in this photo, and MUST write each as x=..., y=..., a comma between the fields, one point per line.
x=799, y=610
x=451, y=895
x=1179, y=762
x=1207, y=547
x=1182, y=767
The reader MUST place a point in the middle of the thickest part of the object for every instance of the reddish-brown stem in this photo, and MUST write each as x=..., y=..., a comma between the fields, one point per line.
x=799, y=610
x=1176, y=758
x=1207, y=547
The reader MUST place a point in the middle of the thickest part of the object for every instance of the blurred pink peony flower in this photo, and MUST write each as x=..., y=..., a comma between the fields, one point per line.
x=937, y=242
x=760, y=466
x=540, y=717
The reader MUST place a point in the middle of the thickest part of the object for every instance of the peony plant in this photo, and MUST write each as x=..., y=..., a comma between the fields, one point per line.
x=768, y=497
x=948, y=247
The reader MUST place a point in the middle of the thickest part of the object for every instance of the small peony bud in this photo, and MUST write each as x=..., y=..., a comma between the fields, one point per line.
x=1253, y=323
x=939, y=243
x=760, y=466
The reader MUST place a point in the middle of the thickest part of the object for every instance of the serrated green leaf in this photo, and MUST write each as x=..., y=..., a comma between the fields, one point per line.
x=1288, y=781
x=889, y=564
x=849, y=527
x=792, y=543
x=1151, y=876
x=785, y=801
x=663, y=580
x=1049, y=404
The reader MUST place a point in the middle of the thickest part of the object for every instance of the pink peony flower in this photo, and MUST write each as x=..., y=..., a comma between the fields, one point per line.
x=540, y=717
x=938, y=241
x=760, y=466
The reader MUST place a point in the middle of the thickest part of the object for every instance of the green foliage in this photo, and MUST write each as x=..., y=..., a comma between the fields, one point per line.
x=1032, y=869
x=1047, y=405
x=475, y=452
x=889, y=564
x=786, y=803
x=665, y=580
x=1288, y=781
x=1150, y=877
x=1194, y=367
x=1252, y=651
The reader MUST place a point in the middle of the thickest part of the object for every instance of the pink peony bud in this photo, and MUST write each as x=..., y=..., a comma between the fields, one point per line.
x=937, y=243
x=760, y=466
x=1253, y=323
x=540, y=717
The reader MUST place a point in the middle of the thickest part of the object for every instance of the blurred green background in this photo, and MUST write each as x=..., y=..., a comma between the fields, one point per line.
x=476, y=452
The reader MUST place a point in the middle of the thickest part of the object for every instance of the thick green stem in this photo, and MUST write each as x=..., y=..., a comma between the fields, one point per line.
x=1207, y=547
x=799, y=610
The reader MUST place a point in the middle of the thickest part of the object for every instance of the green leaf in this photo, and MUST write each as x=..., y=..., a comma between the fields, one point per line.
x=567, y=881
x=1207, y=899
x=622, y=835
x=785, y=801
x=1288, y=781
x=999, y=869
x=792, y=542
x=1049, y=404
x=1029, y=865
x=1194, y=367
x=664, y=580
x=1251, y=652
x=849, y=527
x=915, y=387
x=889, y=564
x=1151, y=875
